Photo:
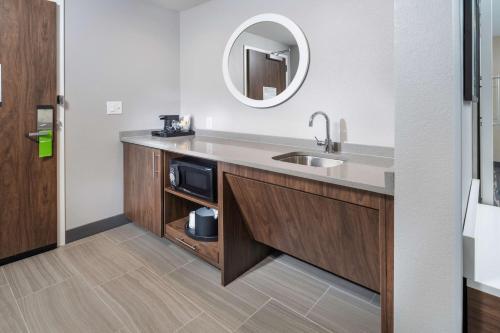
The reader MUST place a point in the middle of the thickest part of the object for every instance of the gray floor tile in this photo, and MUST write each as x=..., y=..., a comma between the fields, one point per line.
x=100, y=261
x=83, y=240
x=11, y=320
x=355, y=301
x=239, y=288
x=203, y=324
x=70, y=306
x=339, y=315
x=124, y=330
x=141, y=287
x=293, y=288
x=326, y=277
x=161, y=255
x=248, y=293
x=36, y=273
x=205, y=271
x=3, y=279
x=146, y=303
x=123, y=233
x=275, y=318
x=215, y=300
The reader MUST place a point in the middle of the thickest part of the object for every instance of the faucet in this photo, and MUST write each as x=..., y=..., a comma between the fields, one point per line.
x=330, y=146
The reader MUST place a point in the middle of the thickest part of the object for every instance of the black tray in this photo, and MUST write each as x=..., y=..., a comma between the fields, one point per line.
x=165, y=134
x=199, y=238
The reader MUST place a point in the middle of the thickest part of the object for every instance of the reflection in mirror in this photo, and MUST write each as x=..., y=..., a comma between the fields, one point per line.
x=263, y=60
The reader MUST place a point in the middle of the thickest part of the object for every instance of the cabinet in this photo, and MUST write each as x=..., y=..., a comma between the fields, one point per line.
x=143, y=186
x=177, y=206
x=346, y=231
x=337, y=236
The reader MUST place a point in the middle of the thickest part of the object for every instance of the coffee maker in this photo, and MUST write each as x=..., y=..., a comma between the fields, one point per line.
x=171, y=127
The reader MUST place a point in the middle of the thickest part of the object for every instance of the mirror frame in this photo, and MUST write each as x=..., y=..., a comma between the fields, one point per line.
x=302, y=69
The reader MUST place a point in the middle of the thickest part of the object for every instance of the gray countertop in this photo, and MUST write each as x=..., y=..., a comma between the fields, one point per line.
x=365, y=172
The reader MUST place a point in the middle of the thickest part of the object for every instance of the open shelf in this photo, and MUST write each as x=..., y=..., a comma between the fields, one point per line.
x=192, y=198
x=208, y=251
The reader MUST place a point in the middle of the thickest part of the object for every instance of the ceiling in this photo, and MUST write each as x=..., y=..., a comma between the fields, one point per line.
x=179, y=4
x=273, y=31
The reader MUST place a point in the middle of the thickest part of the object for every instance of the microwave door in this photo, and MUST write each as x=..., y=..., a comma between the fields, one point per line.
x=196, y=181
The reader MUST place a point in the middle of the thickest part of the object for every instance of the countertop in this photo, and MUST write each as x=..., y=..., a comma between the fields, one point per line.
x=364, y=172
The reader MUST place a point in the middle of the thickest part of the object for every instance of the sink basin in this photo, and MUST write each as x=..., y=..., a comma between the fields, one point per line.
x=309, y=160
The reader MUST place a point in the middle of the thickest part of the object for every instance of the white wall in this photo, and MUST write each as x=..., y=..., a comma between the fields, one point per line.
x=428, y=94
x=350, y=77
x=124, y=50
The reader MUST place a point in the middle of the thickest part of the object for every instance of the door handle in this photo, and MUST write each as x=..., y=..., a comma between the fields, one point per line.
x=180, y=240
x=37, y=134
x=44, y=135
x=155, y=164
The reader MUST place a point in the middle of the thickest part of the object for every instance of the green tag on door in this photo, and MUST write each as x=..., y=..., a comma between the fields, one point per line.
x=45, y=144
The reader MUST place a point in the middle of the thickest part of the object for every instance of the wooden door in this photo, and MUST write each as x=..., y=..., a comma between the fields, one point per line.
x=28, y=184
x=263, y=71
x=143, y=186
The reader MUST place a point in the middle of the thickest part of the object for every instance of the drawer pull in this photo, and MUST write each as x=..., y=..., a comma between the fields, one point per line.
x=194, y=248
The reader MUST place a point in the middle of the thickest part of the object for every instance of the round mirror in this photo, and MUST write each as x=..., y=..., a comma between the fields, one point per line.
x=266, y=61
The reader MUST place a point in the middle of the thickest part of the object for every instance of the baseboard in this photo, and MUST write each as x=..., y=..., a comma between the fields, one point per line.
x=95, y=228
x=27, y=254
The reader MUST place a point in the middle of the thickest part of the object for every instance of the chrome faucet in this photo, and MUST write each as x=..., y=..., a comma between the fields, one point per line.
x=330, y=146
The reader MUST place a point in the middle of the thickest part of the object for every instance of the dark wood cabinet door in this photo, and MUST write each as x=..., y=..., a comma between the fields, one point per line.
x=143, y=187
x=340, y=237
x=28, y=183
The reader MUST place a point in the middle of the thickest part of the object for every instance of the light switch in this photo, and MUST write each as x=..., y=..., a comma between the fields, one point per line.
x=209, y=122
x=114, y=107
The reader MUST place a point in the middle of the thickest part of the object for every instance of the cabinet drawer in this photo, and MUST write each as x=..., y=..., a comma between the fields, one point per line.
x=207, y=250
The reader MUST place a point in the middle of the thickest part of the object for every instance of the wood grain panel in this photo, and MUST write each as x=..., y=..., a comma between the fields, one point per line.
x=483, y=312
x=340, y=237
x=358, y=197
x=387, y=293
x=238, y=249
x=143, y=186
x=28, y=209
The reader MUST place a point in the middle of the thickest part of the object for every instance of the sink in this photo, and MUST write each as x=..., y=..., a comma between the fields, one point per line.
x=309, y=159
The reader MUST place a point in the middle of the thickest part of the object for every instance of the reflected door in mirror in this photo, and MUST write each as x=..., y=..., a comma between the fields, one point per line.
x=266, y=75
x=265, y=61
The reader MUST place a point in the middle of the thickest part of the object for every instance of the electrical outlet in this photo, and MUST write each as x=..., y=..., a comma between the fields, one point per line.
x=209, y=123
x=114, y=107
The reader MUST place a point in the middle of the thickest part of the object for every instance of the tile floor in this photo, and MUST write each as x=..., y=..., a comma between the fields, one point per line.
x=127, y=280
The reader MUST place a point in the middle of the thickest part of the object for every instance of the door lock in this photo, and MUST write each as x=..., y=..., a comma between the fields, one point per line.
x=44, y=135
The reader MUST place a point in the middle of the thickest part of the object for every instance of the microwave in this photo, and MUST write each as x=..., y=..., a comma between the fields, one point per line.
x=194, y=176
